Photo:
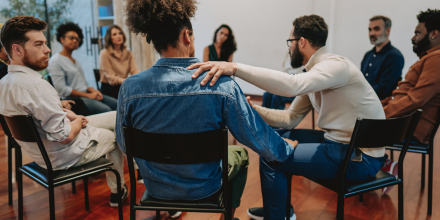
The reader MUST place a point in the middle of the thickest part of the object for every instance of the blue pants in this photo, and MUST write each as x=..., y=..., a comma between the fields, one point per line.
x=105, y=105
x=314, y=157
x=275, y=101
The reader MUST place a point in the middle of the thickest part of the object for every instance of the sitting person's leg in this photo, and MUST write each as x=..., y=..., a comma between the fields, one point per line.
x=95, y=106
x=275, y=101
x=267, y=100
x=110, y=102
x=79, y=107
x=103, y=142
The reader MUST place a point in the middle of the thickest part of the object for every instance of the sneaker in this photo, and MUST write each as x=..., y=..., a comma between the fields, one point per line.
x=114, y=197
x=174, y=214
x=258, y=214
x=390, y=167
x=140, y=180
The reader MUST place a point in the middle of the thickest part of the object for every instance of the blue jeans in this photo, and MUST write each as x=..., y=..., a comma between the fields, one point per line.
x=275, y=101
x=314, y=157
x=105, y=105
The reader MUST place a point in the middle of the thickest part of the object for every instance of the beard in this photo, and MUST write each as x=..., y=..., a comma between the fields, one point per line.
x=296, y=59
x=379, y=39
x=36, y=65
x=421, y=46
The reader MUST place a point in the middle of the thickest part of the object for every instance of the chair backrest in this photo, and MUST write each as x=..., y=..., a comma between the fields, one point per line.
x=23, y=128
x=49, y=79
x=376, y=133
x=5, y=126
x=97, y=77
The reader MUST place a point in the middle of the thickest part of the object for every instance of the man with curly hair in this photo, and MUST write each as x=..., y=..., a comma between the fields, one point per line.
x=420, y=89
x=165, y=99
x=335, y=88
x=68, y=76
x=70, y=140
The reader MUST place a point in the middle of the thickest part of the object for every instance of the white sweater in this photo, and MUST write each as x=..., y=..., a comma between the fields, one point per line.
x=333, y=86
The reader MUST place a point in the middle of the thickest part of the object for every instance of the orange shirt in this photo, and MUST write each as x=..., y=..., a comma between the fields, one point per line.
x=421, y=89
x=114, y=70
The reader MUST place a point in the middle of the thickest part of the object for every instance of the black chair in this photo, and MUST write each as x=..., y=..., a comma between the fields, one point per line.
x=423, y=149
x=97, y=77
x=370, y=133
x=11, y=145
x=179, y=149
x=24, y=129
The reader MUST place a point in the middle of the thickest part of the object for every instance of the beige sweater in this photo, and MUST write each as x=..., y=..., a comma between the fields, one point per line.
x=333, y=86
x=114, y=70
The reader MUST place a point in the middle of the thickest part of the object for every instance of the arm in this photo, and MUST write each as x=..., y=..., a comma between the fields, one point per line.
x=76, y=126
x=133, y=67
x=206, y=54
x=250, y=129
x=426, y=88
x=287, y=119
x=121, y=120
x=58, y=78
x=230, y=58
x=391, y=71
x=107, y=71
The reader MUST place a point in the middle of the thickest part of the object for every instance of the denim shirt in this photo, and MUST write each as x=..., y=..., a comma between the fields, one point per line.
x=166, y=99
x=382, y=69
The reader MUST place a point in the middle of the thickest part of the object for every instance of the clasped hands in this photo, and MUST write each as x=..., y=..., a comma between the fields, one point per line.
x=72, y=117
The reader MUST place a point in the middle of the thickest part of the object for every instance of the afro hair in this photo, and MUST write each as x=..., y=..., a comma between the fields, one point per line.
x=69, y=26
x=431, y=18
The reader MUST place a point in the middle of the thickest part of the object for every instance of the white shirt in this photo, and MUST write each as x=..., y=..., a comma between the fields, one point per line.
x=332, y=85
x=23, y=92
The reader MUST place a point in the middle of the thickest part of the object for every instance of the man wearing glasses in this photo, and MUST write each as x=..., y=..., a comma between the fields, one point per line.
x=335, y=88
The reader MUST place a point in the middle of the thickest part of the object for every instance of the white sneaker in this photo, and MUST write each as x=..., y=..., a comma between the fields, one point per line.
x=175, y=214
x=258, y=214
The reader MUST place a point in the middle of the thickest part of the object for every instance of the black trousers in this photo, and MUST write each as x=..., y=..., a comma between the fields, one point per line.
x=110, y=90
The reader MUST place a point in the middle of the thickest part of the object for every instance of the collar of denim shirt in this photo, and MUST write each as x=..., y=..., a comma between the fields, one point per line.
x=175, y=61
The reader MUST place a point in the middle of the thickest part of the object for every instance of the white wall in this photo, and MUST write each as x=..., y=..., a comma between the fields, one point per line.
x=261, y=27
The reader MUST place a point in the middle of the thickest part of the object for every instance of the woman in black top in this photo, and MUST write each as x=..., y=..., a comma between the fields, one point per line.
x=222, y=47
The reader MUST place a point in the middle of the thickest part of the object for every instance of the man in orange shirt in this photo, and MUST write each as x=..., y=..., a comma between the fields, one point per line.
x=421, y=88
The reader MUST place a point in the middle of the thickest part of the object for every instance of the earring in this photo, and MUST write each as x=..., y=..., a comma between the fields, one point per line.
x=433, y=38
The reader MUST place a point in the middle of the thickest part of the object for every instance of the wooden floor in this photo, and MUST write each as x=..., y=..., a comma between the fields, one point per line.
x=310, y=200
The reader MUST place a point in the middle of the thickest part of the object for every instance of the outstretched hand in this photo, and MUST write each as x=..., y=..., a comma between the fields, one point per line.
x=293, y=143
x=216, y=69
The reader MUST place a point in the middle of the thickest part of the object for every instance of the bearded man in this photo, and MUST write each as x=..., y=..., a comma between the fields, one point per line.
x=335, y=88
x=382, y=66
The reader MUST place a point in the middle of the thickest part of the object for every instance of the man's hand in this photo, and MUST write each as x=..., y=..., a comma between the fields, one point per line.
x=100, y=96
x=216, y=70
x=66, y=104
x=70, y=115
x=293, y=143
x=85, y=121
x=248, y=98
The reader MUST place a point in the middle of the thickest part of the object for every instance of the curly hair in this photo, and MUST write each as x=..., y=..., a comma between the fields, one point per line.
x=229, y=46
x=160, y=20
x=312, y=28
x=14, y=31
x=69, y=26
x=431, y=18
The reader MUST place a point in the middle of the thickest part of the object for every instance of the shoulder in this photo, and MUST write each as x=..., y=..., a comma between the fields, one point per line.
x=104, y=52
x=206, y=49
x=395, y=53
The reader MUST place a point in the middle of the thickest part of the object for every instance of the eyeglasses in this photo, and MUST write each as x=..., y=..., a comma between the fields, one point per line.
x=289, y=41
x=74, y=38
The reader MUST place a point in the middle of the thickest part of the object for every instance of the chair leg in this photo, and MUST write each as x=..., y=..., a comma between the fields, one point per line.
x=289, y=195
x=400, y=201
x=391, y=155
x=52, y=202
x=19, y=179
x=9, y=172
x=157, y=214
x=422, y=182
x=73, y=187
x=430, y=179
x=361, y=197
x=340, y=208
x=118, y=181
x=86, y=193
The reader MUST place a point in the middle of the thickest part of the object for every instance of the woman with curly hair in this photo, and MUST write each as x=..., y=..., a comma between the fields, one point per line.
x=115, y=61
x=223, y=45
x=68, y=76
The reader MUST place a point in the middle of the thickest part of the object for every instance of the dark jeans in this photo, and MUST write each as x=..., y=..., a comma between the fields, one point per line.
x=96, y=107
x=314, y=157
x=112, y=91
x=79, y=107
x=275, y=101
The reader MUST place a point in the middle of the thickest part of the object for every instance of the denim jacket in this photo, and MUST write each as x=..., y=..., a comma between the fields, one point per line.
x=166, y=99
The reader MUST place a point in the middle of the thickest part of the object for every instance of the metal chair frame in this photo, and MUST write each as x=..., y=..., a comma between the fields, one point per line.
x=30, y=134
x=138, y=143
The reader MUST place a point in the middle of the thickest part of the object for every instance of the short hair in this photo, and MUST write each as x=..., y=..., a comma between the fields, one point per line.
x=160, y=21
x=431, y=18
x=385, y=19
x=108, y=44
x=69, y=26
x=313, y=28
x=14, y=31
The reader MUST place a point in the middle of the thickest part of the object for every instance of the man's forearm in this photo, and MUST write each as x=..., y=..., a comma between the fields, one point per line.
x=78, y=93
x=76, y=127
